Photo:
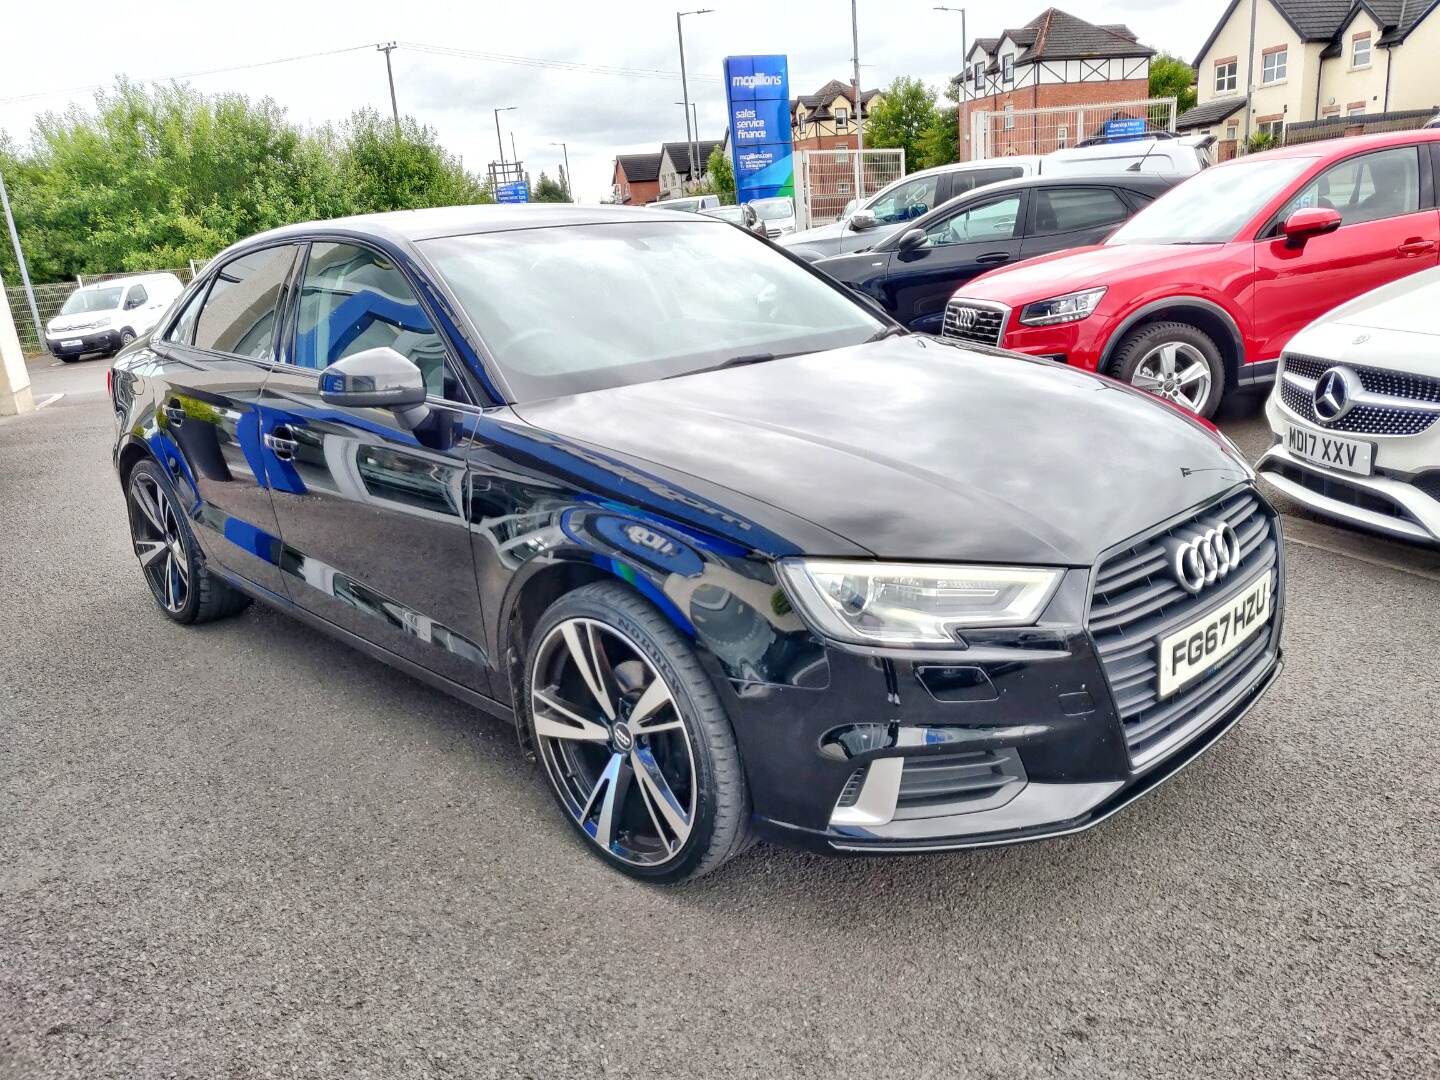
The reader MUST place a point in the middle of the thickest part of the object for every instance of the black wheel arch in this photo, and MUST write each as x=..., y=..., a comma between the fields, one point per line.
x=1205, y=315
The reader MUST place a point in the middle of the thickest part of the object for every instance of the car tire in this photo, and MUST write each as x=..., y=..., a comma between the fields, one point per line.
x=69, y=359
x=1158, y=358
x=126, y=337
x=170, y=559
x=665, y=802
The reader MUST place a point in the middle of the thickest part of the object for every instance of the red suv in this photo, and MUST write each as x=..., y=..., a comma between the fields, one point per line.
x=1198, y=293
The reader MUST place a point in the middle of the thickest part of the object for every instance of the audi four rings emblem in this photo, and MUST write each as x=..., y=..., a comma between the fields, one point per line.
x=965, y=317
x=1197, y=561
x=1335, y=394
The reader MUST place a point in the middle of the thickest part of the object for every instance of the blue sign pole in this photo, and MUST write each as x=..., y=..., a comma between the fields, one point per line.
x=757, y=98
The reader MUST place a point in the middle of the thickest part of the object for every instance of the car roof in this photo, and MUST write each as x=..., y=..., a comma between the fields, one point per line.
x=1344, y=147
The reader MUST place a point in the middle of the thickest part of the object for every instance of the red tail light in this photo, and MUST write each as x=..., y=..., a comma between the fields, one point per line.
x=110, y=383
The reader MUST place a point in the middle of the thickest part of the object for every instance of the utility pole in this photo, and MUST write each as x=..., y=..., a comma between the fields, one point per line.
x=690, y=135
x=859, y=108
x=566, y=151
x=20, y=259
x=964, y=86
x=514, y=154
x=499, y=141
x=387, y=49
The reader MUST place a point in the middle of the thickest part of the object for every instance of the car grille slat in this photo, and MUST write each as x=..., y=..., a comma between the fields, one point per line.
x=966, y=320
x=1131, y=611
x=1364, y=419
x=954, y=783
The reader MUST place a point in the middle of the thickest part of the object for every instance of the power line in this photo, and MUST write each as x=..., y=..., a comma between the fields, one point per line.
x=551, y=65
x=186, y=74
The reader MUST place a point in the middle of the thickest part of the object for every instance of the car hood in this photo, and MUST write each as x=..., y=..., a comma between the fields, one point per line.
x=62, y=323
x=914, y=448
x=820, y=232
x=1083, y=268
x=1407, y=306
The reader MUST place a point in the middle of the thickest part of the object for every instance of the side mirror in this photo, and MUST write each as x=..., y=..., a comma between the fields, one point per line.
x=132, y=303
x=911, y=239
x=377, y=378
x=850, y=207
x=862, y=220
x=1310, y=222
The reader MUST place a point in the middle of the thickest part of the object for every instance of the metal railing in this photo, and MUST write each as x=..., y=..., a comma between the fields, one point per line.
x=1007, y=132
x=49, y=299
x=825, y=181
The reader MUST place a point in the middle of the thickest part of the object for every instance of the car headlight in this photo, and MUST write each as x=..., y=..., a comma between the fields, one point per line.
x=1072, y=307
x=875, y=603
x=100, y=324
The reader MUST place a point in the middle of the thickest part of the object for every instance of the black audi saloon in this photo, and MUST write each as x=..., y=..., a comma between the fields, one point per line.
x=738, y=556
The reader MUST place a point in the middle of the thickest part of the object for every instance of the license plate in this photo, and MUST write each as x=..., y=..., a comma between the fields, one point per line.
x=73, y=343
x=1193, y=650
x=1347, y=455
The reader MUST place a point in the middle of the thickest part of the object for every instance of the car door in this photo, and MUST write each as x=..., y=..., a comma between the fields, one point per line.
x=1389, y=228
x=212, y=362
x=980, y=236
x=374, y=514
x=1071, y=216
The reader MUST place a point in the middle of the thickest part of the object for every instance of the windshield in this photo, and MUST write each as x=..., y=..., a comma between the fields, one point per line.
x=774, y=209
x=566, y=310
x=91, y=300
x=1212, y=206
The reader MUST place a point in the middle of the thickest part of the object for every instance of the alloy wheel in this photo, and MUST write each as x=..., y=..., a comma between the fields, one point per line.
x=1175, y=371
x=159, y=542
x=610, y=733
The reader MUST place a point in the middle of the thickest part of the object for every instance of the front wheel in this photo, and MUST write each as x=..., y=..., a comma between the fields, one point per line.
x=635, y=743
x=1174, y=361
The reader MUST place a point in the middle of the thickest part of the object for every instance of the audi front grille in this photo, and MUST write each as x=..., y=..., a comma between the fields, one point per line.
x=1138, y=599
x=969, y=320
x=1399, y=403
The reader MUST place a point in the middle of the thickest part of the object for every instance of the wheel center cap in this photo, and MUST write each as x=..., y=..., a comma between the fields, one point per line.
x=622, y=737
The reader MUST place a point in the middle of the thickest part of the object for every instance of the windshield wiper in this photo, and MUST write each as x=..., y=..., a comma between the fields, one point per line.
x=734, y=361
x=888, y=331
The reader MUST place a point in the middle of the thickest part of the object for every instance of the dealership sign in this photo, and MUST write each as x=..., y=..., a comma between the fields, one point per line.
x=757, y=94
x=513, y=192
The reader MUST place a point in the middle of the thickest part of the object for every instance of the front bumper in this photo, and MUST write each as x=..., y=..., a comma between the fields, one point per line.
x=90, y=341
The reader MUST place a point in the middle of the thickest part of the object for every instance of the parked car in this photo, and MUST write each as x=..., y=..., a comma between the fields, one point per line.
x=913, y=273
x=897, y=204
x=100, y=319
x=1159, y=153
x=703, y=558
x=743, y=216
x=690, y=204
x=777, y=214
x=1354, y=412
x=1198, y=293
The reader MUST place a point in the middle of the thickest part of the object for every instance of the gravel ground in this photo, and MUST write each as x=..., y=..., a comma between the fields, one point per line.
x=243, y=851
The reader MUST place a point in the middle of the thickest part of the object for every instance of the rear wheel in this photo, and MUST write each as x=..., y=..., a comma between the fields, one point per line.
x=169, y=557
x=635, y=743
x=1175, y=361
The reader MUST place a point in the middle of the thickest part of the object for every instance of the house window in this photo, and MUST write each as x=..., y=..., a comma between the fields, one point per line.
x=842, y=119
x=1062, y=136
x=1355, y=108
x=1007, y=69
x=1272, y=65
x=1232, y=132
x=1225, y=77
x=1360, y=51
x=1009, y=117
x=1274, y=128
x=979, y=77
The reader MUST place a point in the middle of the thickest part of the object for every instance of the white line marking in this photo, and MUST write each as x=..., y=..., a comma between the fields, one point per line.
x=1373, y=550
x=47, y=401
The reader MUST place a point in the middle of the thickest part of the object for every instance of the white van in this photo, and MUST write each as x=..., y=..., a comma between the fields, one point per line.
x=690, y=204
x=105, y=317
x=1161, y=154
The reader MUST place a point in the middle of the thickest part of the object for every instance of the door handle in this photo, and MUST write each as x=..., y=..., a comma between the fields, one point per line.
x=1415, y=246
x=175, y=415
x=280, y=442
x=993, y=257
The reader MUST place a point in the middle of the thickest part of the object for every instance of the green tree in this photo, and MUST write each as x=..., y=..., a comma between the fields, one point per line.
x=1172, y=77
x=940, y=142
x=547, y=190
x=719, y=176
x=384, y=169
x=1261, y=141
x=901, y=119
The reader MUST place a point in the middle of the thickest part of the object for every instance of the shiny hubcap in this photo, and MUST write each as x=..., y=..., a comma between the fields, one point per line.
x=155, y=530
x=610, y=735
x=1177, y=372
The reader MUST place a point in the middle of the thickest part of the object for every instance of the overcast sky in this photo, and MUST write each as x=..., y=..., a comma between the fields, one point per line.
x=50, y=52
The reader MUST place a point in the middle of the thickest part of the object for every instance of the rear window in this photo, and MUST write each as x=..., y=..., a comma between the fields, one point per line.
x=1062, y=210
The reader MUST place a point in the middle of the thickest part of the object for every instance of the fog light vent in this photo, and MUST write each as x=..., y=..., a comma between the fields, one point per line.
x=851, y=793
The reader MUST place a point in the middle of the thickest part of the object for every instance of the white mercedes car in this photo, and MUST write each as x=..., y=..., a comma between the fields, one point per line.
x=1355, y=410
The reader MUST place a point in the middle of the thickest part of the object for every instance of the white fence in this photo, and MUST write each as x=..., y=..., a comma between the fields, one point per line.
x=825, y=181
x=1004, y=133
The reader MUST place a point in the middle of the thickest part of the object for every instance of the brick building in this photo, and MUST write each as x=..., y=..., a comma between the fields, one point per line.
x=1053, y=60
x=827, y=119
x=637, y=179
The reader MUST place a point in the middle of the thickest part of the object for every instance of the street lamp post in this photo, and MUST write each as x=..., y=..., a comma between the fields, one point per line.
x=499, y=141
x=566, y=151
x=964, y=86
x=859, y=108
x=684, y=84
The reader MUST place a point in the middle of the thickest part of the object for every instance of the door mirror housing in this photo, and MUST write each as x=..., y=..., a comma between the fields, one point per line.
x=378, y=378
x=861, y=220
x=1309, y=222
x=911, y=239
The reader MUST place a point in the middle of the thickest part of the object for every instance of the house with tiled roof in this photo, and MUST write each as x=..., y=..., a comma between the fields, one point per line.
x=637, y=179
x=1056, y=59
x=1269, y=64
x=828, y=119
x=675, y=172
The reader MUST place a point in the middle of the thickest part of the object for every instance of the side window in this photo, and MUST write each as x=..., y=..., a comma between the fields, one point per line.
x=136, y=297
x=1062, y=210
x=989, y=221
x=353, y=299
x=182, y=332
x=1366, y=188
x=239, y=314
x=970, y=179
x=907, y=202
